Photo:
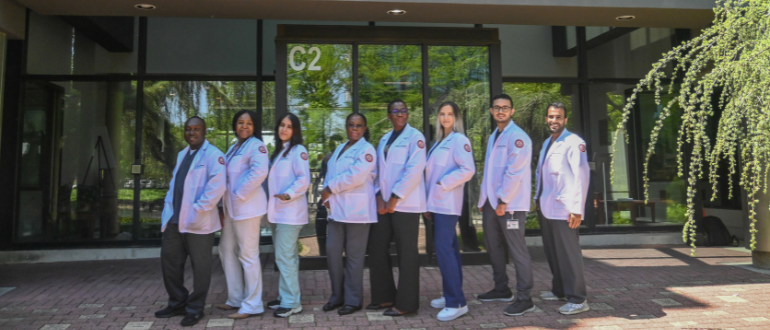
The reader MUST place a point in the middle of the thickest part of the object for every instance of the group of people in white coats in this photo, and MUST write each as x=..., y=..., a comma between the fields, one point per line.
x=373, y=197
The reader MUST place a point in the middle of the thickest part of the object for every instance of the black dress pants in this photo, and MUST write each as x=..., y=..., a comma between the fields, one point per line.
x=174, y=250
x=404, y=229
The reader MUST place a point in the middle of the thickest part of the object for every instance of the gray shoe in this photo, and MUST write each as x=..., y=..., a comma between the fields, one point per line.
x=570, y=308
x=550, y=296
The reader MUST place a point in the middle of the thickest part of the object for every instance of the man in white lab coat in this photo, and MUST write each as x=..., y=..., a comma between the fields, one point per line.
x=190, y=218
x=562, y=185
x=504, y=203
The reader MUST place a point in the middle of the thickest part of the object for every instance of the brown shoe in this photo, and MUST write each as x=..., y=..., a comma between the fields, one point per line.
x=238, y=316
x=226, y=307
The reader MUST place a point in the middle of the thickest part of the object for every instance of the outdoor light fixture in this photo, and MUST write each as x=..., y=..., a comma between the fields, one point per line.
x=144, y=6
x=625, y=17
x=396, y=12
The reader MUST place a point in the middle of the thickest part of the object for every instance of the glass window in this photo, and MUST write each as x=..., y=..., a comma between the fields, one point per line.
x=76, y=149
x=168, y=104
x=386, y=73
x=531, y=102
x=629, y=56
x=624, y=195
x=55, y=47
x=201, y=45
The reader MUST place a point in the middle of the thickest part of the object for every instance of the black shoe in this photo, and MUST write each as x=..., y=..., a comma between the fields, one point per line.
x=275, y=304
x=191, y=319
x=519, y=307
x=393, y=312
x=375, y=307
x=330, y=307
x=347, y=309
x=169, y=312
x=496, y=296
x=470, y=248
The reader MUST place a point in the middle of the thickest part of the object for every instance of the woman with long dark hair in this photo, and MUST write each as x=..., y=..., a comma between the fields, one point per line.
x=450, y=165
x=244, y=204
x=349, y=195
x=288, y=182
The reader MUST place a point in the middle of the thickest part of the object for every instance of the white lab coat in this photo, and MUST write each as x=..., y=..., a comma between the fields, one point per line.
x=565, y=174
x=204, y=186
x=246, y=170
x=451, y=164
x=289, y=175
x=351, y=180
x=402, y=172
x=507, y=171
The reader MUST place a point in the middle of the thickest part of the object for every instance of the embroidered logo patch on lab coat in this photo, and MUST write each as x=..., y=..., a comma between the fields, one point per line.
x=582, y=147
x=262, y=149
x=467, y=147
x=369, y=158
x=519, y=143
x=421, y=144
x=303, y=155
x=221, y=160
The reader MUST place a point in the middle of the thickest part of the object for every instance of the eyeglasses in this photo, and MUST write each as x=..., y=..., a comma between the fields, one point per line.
x=403, y=111
x=353, y=126
x=501, y=109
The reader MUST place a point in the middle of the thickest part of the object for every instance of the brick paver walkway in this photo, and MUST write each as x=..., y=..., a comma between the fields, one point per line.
x=645, y=287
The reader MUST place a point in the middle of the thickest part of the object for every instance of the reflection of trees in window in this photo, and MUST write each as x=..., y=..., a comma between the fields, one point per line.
x=321, y=98
x=168, y=104
x=389, y=72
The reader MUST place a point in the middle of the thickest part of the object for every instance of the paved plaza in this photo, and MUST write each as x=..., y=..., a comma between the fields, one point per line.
x=640, y=287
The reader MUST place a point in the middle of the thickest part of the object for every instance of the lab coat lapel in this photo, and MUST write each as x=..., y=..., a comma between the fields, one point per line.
x=198, y=156
x=406, y=133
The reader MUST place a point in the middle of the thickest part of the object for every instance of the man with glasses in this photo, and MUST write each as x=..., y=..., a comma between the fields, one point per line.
x=504, y=203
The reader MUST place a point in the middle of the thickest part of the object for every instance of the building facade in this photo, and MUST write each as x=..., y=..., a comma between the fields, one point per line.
x=95, y=94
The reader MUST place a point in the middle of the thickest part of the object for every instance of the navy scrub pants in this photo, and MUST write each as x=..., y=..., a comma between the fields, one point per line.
x=448, y=255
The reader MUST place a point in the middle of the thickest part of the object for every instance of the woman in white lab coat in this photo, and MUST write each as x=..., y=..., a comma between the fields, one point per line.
x=400, y=190
x=450, y=165
x=244, y=204
x=349, y=195
x=287, y=182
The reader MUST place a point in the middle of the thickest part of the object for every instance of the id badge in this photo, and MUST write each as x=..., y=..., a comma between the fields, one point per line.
x=513, y=223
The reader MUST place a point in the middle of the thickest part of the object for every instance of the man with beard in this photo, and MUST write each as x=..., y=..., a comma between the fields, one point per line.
x=562, y=185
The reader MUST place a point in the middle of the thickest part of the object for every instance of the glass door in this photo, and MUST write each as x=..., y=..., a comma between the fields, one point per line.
x=322, y=82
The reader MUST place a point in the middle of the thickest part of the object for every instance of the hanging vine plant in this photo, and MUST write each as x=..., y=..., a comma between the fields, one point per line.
x=728, y=61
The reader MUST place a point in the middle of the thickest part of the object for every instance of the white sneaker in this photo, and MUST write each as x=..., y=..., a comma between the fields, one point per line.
x=438, y=303
x=550, y=296
x=448, y=314
x=286, y=312
x=570, y=308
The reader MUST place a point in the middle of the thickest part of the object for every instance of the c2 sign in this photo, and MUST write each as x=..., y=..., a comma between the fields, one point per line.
x=301, y=66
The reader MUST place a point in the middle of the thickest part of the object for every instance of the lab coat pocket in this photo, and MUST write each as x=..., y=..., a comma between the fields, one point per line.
x=441, y=156
x=397, y=155
x=555, y=163
x=442, y=197
x=355, y=206
x=283, y=169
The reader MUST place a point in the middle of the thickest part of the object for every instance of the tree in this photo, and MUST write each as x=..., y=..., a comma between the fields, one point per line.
x=719, y=78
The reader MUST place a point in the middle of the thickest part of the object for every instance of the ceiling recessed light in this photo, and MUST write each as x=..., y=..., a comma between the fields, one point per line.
x=144, y=6
x=397, y=12
x=625, y=17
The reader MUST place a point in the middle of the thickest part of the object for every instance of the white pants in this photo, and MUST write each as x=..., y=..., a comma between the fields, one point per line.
x=239, y=252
